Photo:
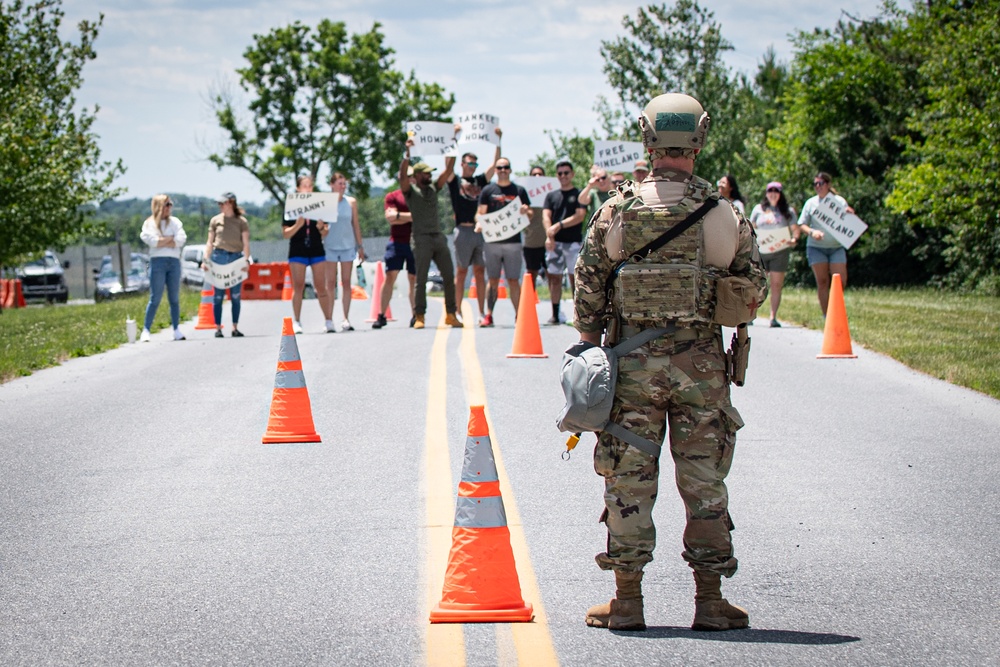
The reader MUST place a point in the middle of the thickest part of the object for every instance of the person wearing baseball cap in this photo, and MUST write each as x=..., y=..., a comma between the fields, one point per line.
x=774, y=213
x=228, y=240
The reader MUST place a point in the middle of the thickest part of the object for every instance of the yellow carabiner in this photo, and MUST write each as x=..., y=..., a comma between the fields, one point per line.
x=570, y=444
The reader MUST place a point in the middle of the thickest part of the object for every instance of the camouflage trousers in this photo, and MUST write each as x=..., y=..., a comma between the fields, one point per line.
x=683, y=384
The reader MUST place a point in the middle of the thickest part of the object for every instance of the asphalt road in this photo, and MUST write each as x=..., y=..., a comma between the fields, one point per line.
x=143, y=522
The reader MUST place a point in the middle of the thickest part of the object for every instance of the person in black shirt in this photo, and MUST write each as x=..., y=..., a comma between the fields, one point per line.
x=305, y=249
x=562, y=215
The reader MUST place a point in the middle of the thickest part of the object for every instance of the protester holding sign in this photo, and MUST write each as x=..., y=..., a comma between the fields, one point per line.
x=429, y=242
x=534, y=233
x=305, y=249
x=343, y=245
x=502, y=255
x=164, y=234
x=228, y=241
x=774, y=218
x=562, y=216
x=465, y=190
x=825, y=253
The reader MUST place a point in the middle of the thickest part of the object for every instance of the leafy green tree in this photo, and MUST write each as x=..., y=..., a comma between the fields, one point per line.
x=951, y=181
x=568, y=146
x=50, y=164
x=321, y=97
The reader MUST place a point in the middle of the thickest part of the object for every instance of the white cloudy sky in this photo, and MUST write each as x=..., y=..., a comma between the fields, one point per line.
x=535, y=64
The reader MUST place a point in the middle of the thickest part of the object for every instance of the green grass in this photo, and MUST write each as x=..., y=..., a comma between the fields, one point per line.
x=42, y=336
x=950, y=336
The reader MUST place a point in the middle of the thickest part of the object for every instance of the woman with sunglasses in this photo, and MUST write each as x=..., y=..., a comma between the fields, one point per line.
x=164, y=234
x=825, y=253
x=228, y=240
x=773, y=212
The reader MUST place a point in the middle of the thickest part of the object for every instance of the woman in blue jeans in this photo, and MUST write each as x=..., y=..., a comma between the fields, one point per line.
x=228, y=240
x=164, y=234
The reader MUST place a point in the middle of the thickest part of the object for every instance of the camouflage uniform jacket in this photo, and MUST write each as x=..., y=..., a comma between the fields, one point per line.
x=681, y=193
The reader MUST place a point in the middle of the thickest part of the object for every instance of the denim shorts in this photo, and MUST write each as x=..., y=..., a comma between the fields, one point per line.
x=817, y=255
x=341, y=254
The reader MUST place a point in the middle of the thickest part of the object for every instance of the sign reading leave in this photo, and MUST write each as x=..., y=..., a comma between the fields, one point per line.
x=836, y=221
x=431, y=137
x=774, y=239
x=312, y=205
x=478, y=127
x=538, y=187
x=618, y=155
x=504, y=223
x=229, y=275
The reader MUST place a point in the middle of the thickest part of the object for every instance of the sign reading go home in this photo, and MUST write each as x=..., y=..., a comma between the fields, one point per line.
x=774, y=239
x=617, y=155
x=836, y=221
x=312, y=205
x=504, y=223
x=478, y=127
x=225, y=276
x=538, y=187
x=431, y=137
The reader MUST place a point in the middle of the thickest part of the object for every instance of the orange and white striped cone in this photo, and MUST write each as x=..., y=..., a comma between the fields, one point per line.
x=291, y=412
x=206, y=314
x=480, y=584
x=286, y=289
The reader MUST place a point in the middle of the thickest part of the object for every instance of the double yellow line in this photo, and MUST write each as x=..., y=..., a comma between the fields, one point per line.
x=517, y=643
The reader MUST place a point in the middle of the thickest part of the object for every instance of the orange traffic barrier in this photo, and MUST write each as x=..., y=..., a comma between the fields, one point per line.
x=11, y=295
x=264, y=281
x=377, y=296
x=291, y=413
x=286, y=289
x=502, y=291
x=206, y=315
x=836, y=333
x=527, y=333
x=480, y=584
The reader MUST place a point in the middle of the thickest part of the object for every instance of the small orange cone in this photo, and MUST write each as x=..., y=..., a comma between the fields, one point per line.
x=206, y=315
x=473, y=291
x=286, y=289
x=502, y=291
x=376, y=293
x=527, y=334
x=836, y=333
x=358, y=293
x=480, y=584
x=291, y=413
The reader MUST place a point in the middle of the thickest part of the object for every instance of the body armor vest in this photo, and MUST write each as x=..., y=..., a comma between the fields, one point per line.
x=672, y=285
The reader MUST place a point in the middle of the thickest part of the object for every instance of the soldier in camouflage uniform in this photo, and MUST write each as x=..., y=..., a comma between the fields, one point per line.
x=678, y=379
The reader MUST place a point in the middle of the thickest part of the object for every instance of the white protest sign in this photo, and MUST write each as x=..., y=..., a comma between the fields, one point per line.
x=774, y=239
x=478, y=127
x=836, y=221
x=504, y=223
x=431, y=137
x=225, y=276
x=312, y=205
x=538, y=187
x=618, y=155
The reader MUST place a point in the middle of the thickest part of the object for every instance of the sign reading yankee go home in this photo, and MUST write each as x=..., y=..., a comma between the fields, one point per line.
x=312, y=205
x=478, y=127
x=836, y=221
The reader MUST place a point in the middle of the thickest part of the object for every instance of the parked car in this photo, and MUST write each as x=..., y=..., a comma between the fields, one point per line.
x=43, y=278
x=109, y=284
x=191, y=258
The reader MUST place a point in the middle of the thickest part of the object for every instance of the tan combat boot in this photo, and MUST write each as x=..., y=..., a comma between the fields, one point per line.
x=418, y=321
x=624, y=612
x=452, y=320
x=711, y=610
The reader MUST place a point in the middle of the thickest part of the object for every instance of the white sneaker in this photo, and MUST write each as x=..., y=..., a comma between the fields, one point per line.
x=178, y=335
x=296, y=327
x=144, y=336
x=330, y=328
x=346, y=326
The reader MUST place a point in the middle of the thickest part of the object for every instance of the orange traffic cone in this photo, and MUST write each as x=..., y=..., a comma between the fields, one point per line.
x=206, y=316
x=836, y=333
x=473, y=291
x=502, y=291
x=480, y=584
x=527, y=334
x=377, y=296
x=291, y=413
x=286, y=289
x=358, y=293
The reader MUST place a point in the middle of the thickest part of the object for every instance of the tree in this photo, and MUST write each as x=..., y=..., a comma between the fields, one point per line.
x=50, y=164
x=951, y=181
x=322, y=97
x=573, y=147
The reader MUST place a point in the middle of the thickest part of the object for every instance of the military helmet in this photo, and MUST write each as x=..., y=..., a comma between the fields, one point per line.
x=673, y=124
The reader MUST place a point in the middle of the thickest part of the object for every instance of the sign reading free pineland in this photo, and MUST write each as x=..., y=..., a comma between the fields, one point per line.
x=836, y=221
x=618, y=155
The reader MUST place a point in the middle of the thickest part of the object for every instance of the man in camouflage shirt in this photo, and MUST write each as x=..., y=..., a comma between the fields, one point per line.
x=678, y=379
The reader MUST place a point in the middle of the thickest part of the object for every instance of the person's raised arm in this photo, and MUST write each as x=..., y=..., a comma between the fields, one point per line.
x=449, y=171
x=496, y=156
x=404, y=181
